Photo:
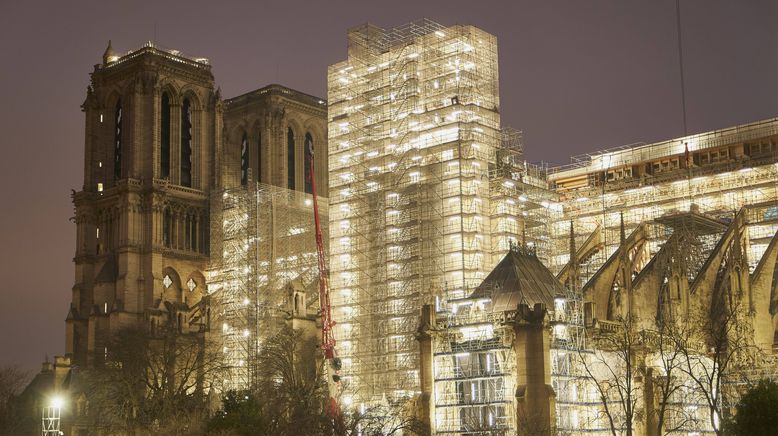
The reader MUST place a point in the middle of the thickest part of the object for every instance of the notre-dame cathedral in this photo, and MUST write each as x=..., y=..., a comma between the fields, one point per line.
x=619, y=251
x=160, y=139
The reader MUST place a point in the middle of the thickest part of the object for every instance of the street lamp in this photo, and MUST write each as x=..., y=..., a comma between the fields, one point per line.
x=51, y=417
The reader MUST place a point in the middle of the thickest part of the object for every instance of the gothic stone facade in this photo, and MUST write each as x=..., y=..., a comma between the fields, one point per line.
x=159, y=141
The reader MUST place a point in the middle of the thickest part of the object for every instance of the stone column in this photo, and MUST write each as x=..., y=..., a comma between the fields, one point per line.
x=426, y=366
x=218, y=145
x=650, y=400
x=535, y=397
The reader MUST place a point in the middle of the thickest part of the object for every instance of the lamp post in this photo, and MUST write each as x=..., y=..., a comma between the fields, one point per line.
x=51, y=417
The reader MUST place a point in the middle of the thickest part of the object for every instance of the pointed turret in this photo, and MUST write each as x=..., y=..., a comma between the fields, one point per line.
x=109, y=55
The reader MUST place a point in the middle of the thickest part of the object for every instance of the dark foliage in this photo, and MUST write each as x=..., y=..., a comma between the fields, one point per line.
x=757, y=411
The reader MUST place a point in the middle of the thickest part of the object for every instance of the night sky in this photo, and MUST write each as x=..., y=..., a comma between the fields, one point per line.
x=575, y=76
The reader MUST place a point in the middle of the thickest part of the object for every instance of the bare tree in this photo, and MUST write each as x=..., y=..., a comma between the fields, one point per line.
x=716, y=348
x=614, y=366
x=667, y=378
x=385, y=419
x=291, y=397
x=291, y=384
x=153, y=382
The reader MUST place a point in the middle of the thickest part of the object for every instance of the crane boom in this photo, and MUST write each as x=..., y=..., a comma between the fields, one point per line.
x=327, y=323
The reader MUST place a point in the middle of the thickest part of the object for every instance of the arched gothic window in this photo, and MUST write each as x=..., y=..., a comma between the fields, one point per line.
x=290, y=159
x=186, y=143
x=244, y=160
x=307, y=163
x=117, y=139
x=164, y=148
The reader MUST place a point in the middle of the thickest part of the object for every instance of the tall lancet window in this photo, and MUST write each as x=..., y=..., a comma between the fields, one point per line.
x=244, y=160
x=290, y=160
x=259, y=156
x=307, y=163
x=186, y=143
x=164, y=147
x=117, y=141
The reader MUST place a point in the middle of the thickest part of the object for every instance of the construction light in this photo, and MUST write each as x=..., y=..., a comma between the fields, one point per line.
x=57, y=402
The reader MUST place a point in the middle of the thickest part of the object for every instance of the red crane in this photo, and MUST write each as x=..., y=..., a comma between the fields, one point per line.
x=327, y=323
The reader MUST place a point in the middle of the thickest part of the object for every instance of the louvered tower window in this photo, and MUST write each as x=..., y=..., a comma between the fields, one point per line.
x=164, y=149
x=186, y=143
x=290, y=160
x=244, y=160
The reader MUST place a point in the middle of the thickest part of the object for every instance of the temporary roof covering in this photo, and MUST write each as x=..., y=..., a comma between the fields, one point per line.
x=519, y=278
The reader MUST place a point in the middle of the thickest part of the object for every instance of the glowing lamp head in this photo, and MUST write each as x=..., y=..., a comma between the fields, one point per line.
x=57, y=402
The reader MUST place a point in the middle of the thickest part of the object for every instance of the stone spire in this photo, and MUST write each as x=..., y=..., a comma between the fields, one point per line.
x=109, y=55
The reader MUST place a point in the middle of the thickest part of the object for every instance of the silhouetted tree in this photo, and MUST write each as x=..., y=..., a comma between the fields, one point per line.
x=716, y=348
x=153, y=382
x=241, y=414
x=13, y=416
x=756, y=411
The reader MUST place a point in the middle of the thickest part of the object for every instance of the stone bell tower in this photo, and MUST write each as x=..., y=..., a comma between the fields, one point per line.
x=152, y=135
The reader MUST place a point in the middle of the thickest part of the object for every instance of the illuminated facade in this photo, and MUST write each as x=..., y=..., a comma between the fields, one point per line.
x=416, y=159
x=263, y=271
x=715, y=173
x=211, y=213
x=661, y=234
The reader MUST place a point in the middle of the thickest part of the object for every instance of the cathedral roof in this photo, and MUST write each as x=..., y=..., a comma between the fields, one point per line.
x=519, y=278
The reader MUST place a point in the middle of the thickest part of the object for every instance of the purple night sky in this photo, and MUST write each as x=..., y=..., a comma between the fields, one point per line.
x=575, y=76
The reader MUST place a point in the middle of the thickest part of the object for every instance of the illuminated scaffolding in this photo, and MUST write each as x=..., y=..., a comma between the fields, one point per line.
x=578, y=407
x=522, y=205
x=413, y=126
x=263, y=244
x=714, y=173
x=427, y=192
x=416, y=159
x=474, y=370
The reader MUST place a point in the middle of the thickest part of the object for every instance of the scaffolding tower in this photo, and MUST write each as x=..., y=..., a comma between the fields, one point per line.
x=414, y=126
x=522, y=205
x=262, y=245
